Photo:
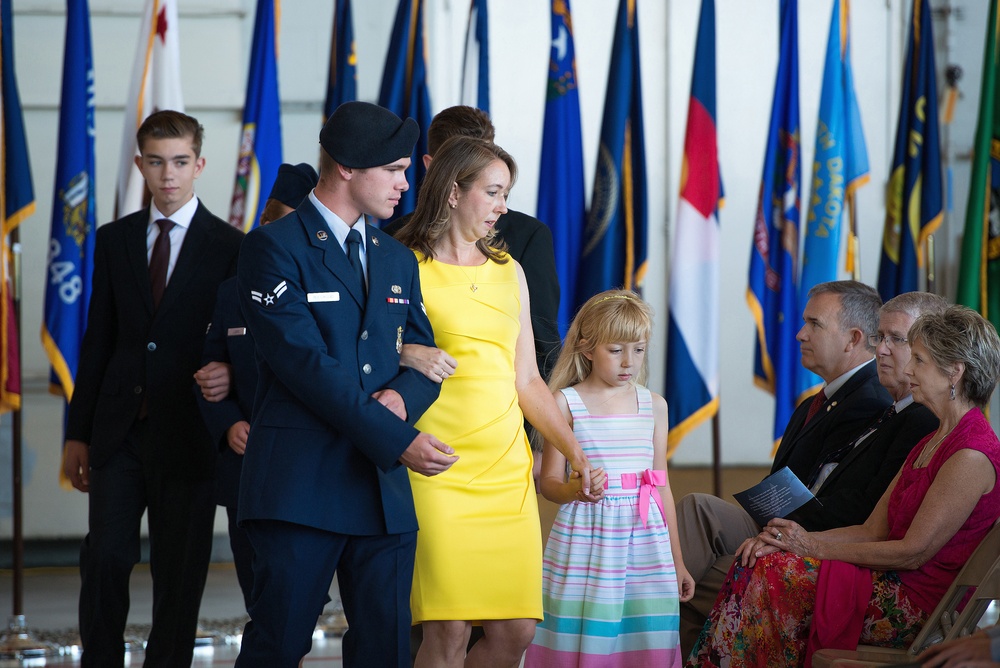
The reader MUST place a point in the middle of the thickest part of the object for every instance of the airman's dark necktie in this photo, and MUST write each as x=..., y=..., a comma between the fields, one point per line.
x=354, y=257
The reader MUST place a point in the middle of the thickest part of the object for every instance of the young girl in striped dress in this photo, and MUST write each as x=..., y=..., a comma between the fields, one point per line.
x=611, y=587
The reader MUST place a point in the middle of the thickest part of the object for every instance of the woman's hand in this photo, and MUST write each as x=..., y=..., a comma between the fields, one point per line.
x=788, y=536
x=753, y=549
x=971, y=650
x=434, y=363
x=581, y=466
x=598, y=478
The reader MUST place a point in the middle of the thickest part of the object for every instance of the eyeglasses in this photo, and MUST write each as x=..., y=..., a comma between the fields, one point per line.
x=890, y=340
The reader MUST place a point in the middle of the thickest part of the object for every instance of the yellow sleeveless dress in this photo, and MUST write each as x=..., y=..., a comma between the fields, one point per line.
x=479, y=548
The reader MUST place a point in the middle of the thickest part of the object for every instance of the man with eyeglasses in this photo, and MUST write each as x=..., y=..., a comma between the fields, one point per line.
x=846, y=445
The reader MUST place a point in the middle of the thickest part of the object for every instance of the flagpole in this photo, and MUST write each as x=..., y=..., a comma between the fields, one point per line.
x=854, y=241
x=716, y=455
x=16, y=433
x=17, y=642
x=931, y=274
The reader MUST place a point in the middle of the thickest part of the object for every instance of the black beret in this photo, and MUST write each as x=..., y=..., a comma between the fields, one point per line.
x=293, y=183
x=361, y=135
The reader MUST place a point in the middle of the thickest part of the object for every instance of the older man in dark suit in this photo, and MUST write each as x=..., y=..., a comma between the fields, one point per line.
x=331, y=301
x=846, y=445
x=134, y=437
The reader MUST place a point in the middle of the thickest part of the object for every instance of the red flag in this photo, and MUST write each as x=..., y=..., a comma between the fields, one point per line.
x=10, y=363
x=17, y=202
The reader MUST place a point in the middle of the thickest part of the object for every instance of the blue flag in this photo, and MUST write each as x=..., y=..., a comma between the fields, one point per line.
x=772, y=292
x=840, y=167
x=19, y=194
x=404, y=89
x=561, y=200
x=342, y=81
x=914, y=199
x=18, y=204
x=614, y=241
x=692, y=374
x=476, y=68
x=71, y=244
x=260, y=148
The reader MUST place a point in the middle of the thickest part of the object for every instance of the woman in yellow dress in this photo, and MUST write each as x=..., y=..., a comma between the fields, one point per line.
x=479, y=550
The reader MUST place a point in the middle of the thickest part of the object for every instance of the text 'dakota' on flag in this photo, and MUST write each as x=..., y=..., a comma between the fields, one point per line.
x=840, y=167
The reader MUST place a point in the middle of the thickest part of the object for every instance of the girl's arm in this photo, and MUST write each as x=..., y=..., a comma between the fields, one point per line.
x=536, y=401
x=685, y=583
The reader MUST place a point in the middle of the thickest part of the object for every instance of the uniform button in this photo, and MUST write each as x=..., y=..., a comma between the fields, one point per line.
x=150, y=346
x=138, y=389
x=364, y=335
x=367, y=368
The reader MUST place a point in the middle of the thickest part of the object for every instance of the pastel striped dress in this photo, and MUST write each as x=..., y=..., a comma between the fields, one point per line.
x=609, y=584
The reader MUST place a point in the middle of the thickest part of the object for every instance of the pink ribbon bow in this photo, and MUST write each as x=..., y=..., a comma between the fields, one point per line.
x=651, y=479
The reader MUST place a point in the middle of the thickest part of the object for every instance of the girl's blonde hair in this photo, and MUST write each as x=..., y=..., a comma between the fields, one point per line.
x=612, y=316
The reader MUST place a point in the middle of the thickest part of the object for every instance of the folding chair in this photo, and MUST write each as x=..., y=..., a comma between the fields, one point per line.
x=981, y=575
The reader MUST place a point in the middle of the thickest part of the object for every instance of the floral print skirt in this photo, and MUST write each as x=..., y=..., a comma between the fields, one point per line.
x=762, y=615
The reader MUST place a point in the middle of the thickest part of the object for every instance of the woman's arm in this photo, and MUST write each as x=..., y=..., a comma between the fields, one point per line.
x=951, y=498
x=434, y=363
x=875, y=528
x=685, y=583
x=534, y=398
x=552, y=482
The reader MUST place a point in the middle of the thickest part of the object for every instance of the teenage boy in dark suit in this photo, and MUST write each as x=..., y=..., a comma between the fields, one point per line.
x=135, y=440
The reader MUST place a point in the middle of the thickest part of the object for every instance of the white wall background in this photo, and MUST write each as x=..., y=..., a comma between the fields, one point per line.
x=215, y=41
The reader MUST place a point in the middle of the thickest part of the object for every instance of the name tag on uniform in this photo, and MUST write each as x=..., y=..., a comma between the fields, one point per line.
x=236, y=331
x=323, y=297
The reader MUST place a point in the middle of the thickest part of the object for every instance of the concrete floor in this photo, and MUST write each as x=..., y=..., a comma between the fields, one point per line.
x=50, y=602
x=50, y=594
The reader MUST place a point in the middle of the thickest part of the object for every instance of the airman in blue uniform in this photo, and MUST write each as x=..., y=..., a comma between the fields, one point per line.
x=330, y=301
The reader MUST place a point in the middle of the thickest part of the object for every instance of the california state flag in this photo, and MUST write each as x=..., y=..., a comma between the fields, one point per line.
x=156, y=85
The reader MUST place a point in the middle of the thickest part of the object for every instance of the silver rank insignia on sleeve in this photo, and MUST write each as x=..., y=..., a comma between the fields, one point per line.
x=268, y=298
x=399, y=340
